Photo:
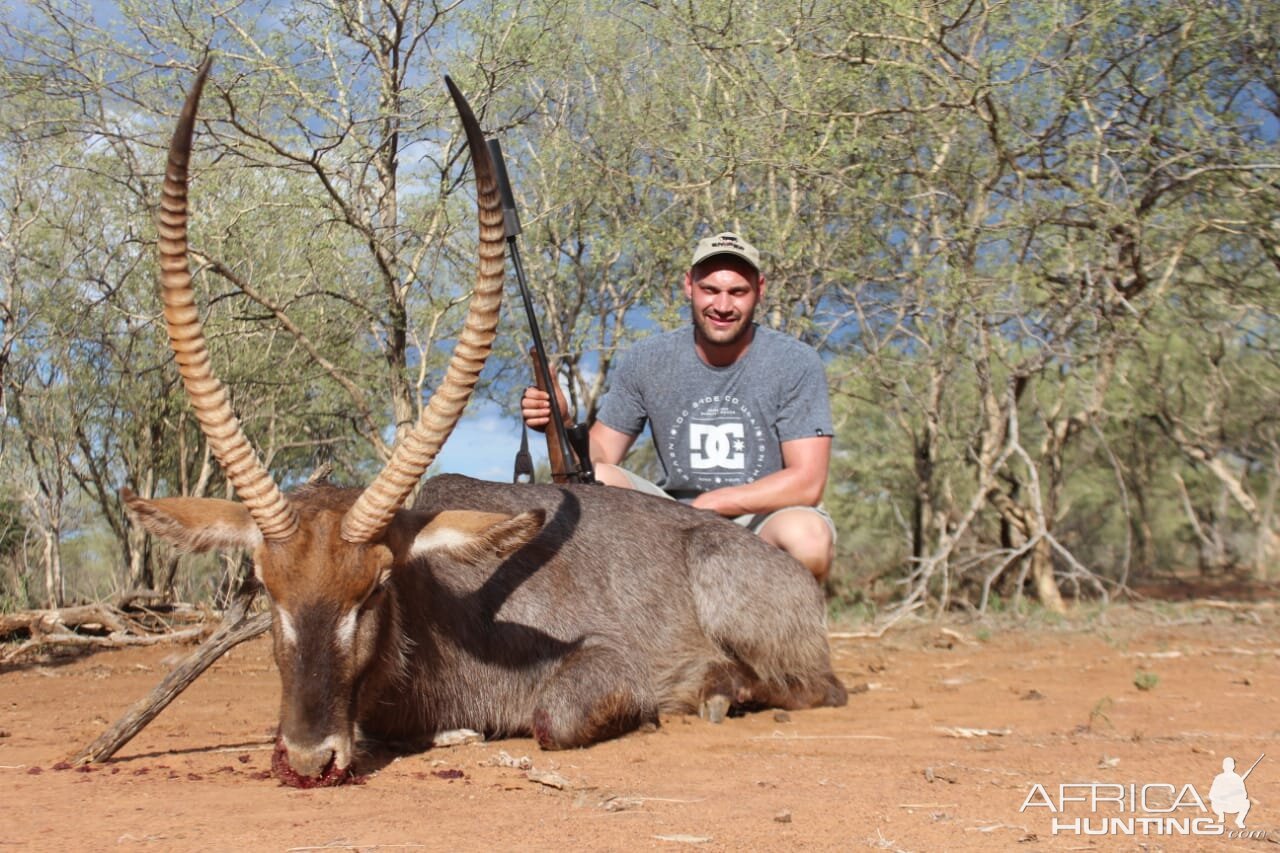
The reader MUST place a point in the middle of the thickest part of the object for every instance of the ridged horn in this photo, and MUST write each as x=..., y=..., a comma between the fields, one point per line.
x=373, y=510
x=260, y=494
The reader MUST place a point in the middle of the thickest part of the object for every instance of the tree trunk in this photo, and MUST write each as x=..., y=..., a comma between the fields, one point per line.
x=1046, y=587
x=1021, y=526
x=54, y=587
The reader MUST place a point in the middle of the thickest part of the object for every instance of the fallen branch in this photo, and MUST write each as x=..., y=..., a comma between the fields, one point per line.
x=115, y=640
x=238, y=625
x=965, y=732
x=37, y=622
x=88, y=626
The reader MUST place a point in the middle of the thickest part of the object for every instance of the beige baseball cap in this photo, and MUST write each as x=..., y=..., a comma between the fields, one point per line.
x=726, y=243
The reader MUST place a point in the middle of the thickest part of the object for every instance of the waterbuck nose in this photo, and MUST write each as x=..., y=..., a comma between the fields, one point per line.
x=310, y=761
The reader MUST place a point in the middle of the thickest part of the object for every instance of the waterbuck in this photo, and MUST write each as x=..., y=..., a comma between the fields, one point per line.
x=571, y=613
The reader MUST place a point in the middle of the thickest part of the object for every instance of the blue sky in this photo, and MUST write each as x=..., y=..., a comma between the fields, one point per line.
x=484, y=444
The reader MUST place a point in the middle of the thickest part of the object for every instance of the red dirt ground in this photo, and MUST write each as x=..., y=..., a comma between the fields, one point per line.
x=891, y=771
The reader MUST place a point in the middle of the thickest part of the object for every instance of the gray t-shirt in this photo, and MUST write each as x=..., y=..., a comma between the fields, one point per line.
x=718, y=426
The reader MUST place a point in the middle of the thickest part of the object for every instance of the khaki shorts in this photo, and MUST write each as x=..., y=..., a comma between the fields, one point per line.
x=752, y=522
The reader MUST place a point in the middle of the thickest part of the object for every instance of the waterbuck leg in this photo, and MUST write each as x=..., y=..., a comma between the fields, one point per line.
x=238, y=625
x=594, y=695
x=734, y=686
x=795, y=694
x=725, y=686
x=778, y=642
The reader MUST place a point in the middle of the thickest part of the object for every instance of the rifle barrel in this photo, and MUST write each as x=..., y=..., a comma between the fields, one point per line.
x=542, y=369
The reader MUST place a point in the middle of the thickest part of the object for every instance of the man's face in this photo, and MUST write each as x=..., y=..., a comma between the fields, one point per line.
x=723, y=293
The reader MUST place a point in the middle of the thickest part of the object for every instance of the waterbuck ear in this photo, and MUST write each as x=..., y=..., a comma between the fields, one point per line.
x=195, y=524
x=468, y=535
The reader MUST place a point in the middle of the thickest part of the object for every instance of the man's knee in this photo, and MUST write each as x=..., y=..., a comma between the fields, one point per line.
x=612, y=475
x=804, y=535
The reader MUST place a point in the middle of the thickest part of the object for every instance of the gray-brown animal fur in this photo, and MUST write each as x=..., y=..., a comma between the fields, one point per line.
x=618, y=607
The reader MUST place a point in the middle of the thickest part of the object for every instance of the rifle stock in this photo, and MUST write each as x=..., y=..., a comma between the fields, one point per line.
x=555, y=450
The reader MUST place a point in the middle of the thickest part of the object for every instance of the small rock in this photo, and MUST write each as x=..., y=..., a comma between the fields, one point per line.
x=549, y=778
x=783, y=816
x=504, y=759
x=781, y=717
x=931, y=776
x=457, y=737
x=621, y=804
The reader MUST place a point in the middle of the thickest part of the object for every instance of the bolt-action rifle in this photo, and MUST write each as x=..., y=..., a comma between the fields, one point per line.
x=563, y=442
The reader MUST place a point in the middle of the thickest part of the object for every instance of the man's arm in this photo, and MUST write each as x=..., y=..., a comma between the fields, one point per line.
x=800, y=482
x=608, y=444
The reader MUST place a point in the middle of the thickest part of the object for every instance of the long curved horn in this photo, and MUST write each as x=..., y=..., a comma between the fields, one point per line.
x=373, y=510
x=260, y=494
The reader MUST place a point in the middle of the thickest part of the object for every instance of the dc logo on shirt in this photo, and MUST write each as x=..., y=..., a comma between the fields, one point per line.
x=717, y=446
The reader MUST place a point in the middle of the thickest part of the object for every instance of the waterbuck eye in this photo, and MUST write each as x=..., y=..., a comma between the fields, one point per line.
x=374, y=594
